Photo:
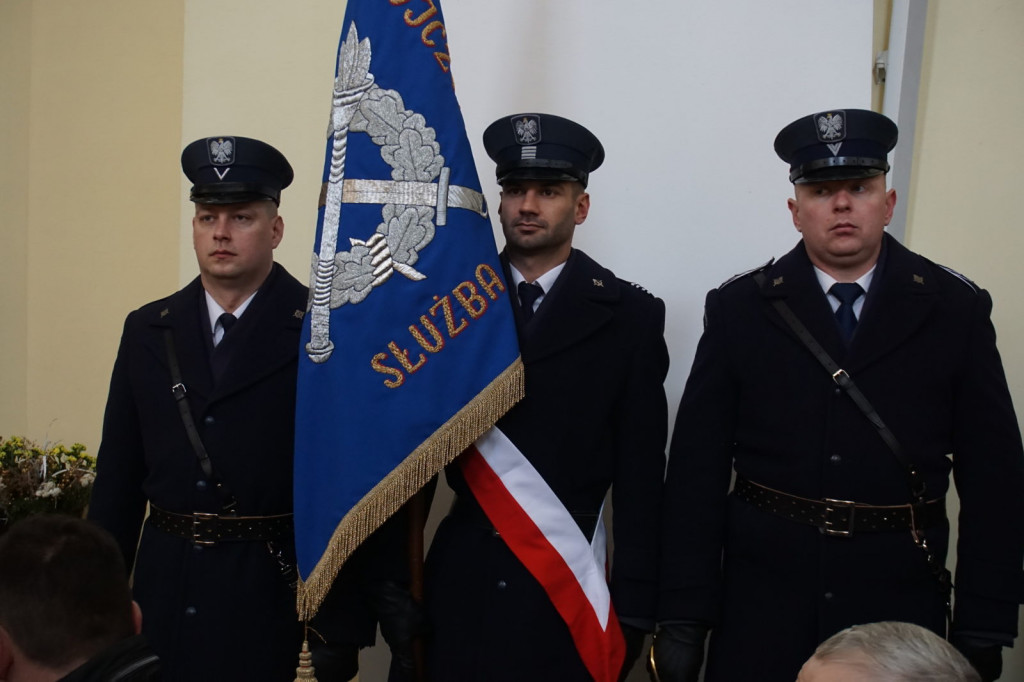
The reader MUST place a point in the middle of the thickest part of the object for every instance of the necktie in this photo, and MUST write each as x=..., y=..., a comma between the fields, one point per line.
x=847, y=293
x=227, y=321
x=528, y=295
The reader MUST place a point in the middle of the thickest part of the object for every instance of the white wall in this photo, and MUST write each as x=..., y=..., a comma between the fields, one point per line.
x=687, y=98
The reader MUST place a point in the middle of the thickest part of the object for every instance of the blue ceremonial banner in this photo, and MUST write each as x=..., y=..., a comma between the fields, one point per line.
x=409, y=348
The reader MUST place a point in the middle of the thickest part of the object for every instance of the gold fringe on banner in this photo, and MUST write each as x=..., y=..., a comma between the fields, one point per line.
x=425, y=462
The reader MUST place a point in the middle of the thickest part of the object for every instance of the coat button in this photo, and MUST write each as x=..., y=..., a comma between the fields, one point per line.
x=502, y=584
x=208, y=419
x=828, y=596
x=190, y=611
x=835, y=459
x=201, y=484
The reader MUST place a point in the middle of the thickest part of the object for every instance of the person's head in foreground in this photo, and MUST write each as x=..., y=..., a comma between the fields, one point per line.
x=887, y=652
x=64, y=597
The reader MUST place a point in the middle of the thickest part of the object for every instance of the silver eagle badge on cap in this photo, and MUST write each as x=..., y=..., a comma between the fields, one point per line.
x=527, y=129
x=222, y=150
x=831, y=129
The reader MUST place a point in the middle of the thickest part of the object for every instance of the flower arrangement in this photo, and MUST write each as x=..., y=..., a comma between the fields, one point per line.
x=47, y=479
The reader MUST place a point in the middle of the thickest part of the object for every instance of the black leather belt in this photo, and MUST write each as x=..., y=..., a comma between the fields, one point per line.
x=209, y=529
x=841, y=517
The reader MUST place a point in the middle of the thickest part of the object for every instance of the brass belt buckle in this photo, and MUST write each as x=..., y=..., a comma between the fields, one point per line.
x=202, y=525
x=834, y=527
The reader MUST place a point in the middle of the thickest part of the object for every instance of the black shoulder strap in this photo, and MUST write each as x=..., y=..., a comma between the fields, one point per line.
x=229, y=503
x=843, y=379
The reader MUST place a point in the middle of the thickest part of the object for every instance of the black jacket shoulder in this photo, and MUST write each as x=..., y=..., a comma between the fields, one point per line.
x=603, y=283
x=282, y=288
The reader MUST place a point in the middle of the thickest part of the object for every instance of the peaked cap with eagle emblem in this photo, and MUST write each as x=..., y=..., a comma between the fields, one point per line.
x=836, y=145
x=542, y=147
x=234, y=170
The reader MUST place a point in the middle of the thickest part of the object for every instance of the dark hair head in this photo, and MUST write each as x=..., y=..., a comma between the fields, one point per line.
x=63, y=591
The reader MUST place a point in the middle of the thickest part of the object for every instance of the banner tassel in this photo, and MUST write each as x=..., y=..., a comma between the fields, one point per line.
x=305, y=671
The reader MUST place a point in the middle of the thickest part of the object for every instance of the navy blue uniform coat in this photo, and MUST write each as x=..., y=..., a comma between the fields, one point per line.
x=220, y=612
x=924, y=354
x=594, y=416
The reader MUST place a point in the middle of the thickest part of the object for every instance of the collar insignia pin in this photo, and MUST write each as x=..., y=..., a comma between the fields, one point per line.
x=165, y=312
x=918, y=279
x=777, y=281
x=298, y=314
x=598, y=283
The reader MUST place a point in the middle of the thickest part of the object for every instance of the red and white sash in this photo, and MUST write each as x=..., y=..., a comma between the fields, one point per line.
x=543, y=535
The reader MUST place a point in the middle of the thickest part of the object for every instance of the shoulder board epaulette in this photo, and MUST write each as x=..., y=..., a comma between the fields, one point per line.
x=965, y=280
x=745, y=274
x=637, y=286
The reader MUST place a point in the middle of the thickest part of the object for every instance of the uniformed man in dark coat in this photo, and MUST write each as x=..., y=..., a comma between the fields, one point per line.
x=199, y=424
x=594, y=417
x=837, y=515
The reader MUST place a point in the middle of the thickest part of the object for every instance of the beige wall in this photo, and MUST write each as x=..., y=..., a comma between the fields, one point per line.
x=98, y=100
x=882, y=12
x=967, y=177
x=91, y=135
x=15, y=77
x=967, y=173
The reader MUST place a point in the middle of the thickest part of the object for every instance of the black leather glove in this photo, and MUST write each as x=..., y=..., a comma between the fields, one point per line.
x=678, y=652
x=401, y=622
x=334, y=662
x=985, y=656
x=634, y=645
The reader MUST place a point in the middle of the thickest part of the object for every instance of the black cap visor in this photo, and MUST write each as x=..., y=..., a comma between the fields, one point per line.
x=233, y=193
x=837, y=168
x=540, y=169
